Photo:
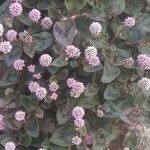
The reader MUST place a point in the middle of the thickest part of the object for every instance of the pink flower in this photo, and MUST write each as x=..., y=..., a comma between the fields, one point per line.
x=90, y=51
x=129, y=22
x=71, y=82
x=129, y=62
x=95, y=28
x=45, y=60
x=100, y=113
x=72, y=51
x=20, y=115
x=2, y=124
x=89, y=139
x=1, y=30
x=41, y=93
x=15, y=9
x=19, y=64
x=5, y=47
x=10, y=146
x=11, y=35
x=144, y=83
x=126, y=148
x=94, y=61
x=143, y=61
x=33, y=86
x=53, y=87
x=76, y=140
x=31, y=68
x=79, y=122
x=28, y=39
x=54, y=96
x=78, y=112
x=37, y=76
x=46, y=23
x=35, y=15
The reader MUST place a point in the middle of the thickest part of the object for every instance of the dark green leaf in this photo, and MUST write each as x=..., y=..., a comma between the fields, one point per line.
x=60, y=62
x=25, y=140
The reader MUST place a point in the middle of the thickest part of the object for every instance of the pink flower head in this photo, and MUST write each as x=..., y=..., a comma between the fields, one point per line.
x=5, y=47
x=144, y=83
x=53, y=87
x=10, y=146
x=143, y=61
x=15, y=9
x=11, y=35
x=76, y=140
x=33, y=86
x=31, y=68
x=45, y=60
x=35, y=15
x=95, y=28
x=41, y=93
x=129, y=22
x=90, y=51
x=78, y=112
x=2, y=124
x=129, y=62
x=77, y=89
x=46, y=23
x=19, y=64
x=72, y=52
x=54, y=96
x=79, y=122
x=71, y=82
x=94, y=61
x=37, y=76
x=100, y=113
x=20, y=115
x=89, y=139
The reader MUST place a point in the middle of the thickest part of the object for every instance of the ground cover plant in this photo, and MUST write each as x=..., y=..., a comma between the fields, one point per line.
x=74, y=74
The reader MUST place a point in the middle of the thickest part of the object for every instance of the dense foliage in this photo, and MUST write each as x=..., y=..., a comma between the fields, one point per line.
x=74, y=74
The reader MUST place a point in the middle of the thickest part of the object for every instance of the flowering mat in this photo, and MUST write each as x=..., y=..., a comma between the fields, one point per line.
x=74, y=74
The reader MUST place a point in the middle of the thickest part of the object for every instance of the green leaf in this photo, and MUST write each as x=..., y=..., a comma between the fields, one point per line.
x=74, y=5
x=63, y=135
x=29, y=51
x=42, y=41
x=110, y=72
x=89, y=68
x=62, y=74
x=91, y=90
x=60, y=62
x=112, y=92
x=25, y=140
x=28, y=103
x=32, y=127
x=145, y=48
x=13, y=55
x=64, y=32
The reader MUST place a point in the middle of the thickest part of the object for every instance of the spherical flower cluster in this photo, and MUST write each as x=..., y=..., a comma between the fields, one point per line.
x=1, y=30
x=19, y=64
x=41, y=93
x=144, y=83
x=41, y=149
x=76, y=140
x=91, y=56
x=53, y=87
x=54, y=96
x=95, y=28
x=31, y=68
x=46, y=23
x=15, y=9
x=10, y=146
x=20, y=1
x=11, y=35
x=2, y=124
x=77, y=88
x=129, y=22
x=37, y=76
x=89, y=139
x=28, y=39
x=35, y=15
x=45, y=60
x=72, y=52
x=100, y=113
x=143, y=61
x=79, y=122
x=129, y=62
x=126, y=148
x=20, y=115
x=33, y=86
x=5, y=47
x=78, y=112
